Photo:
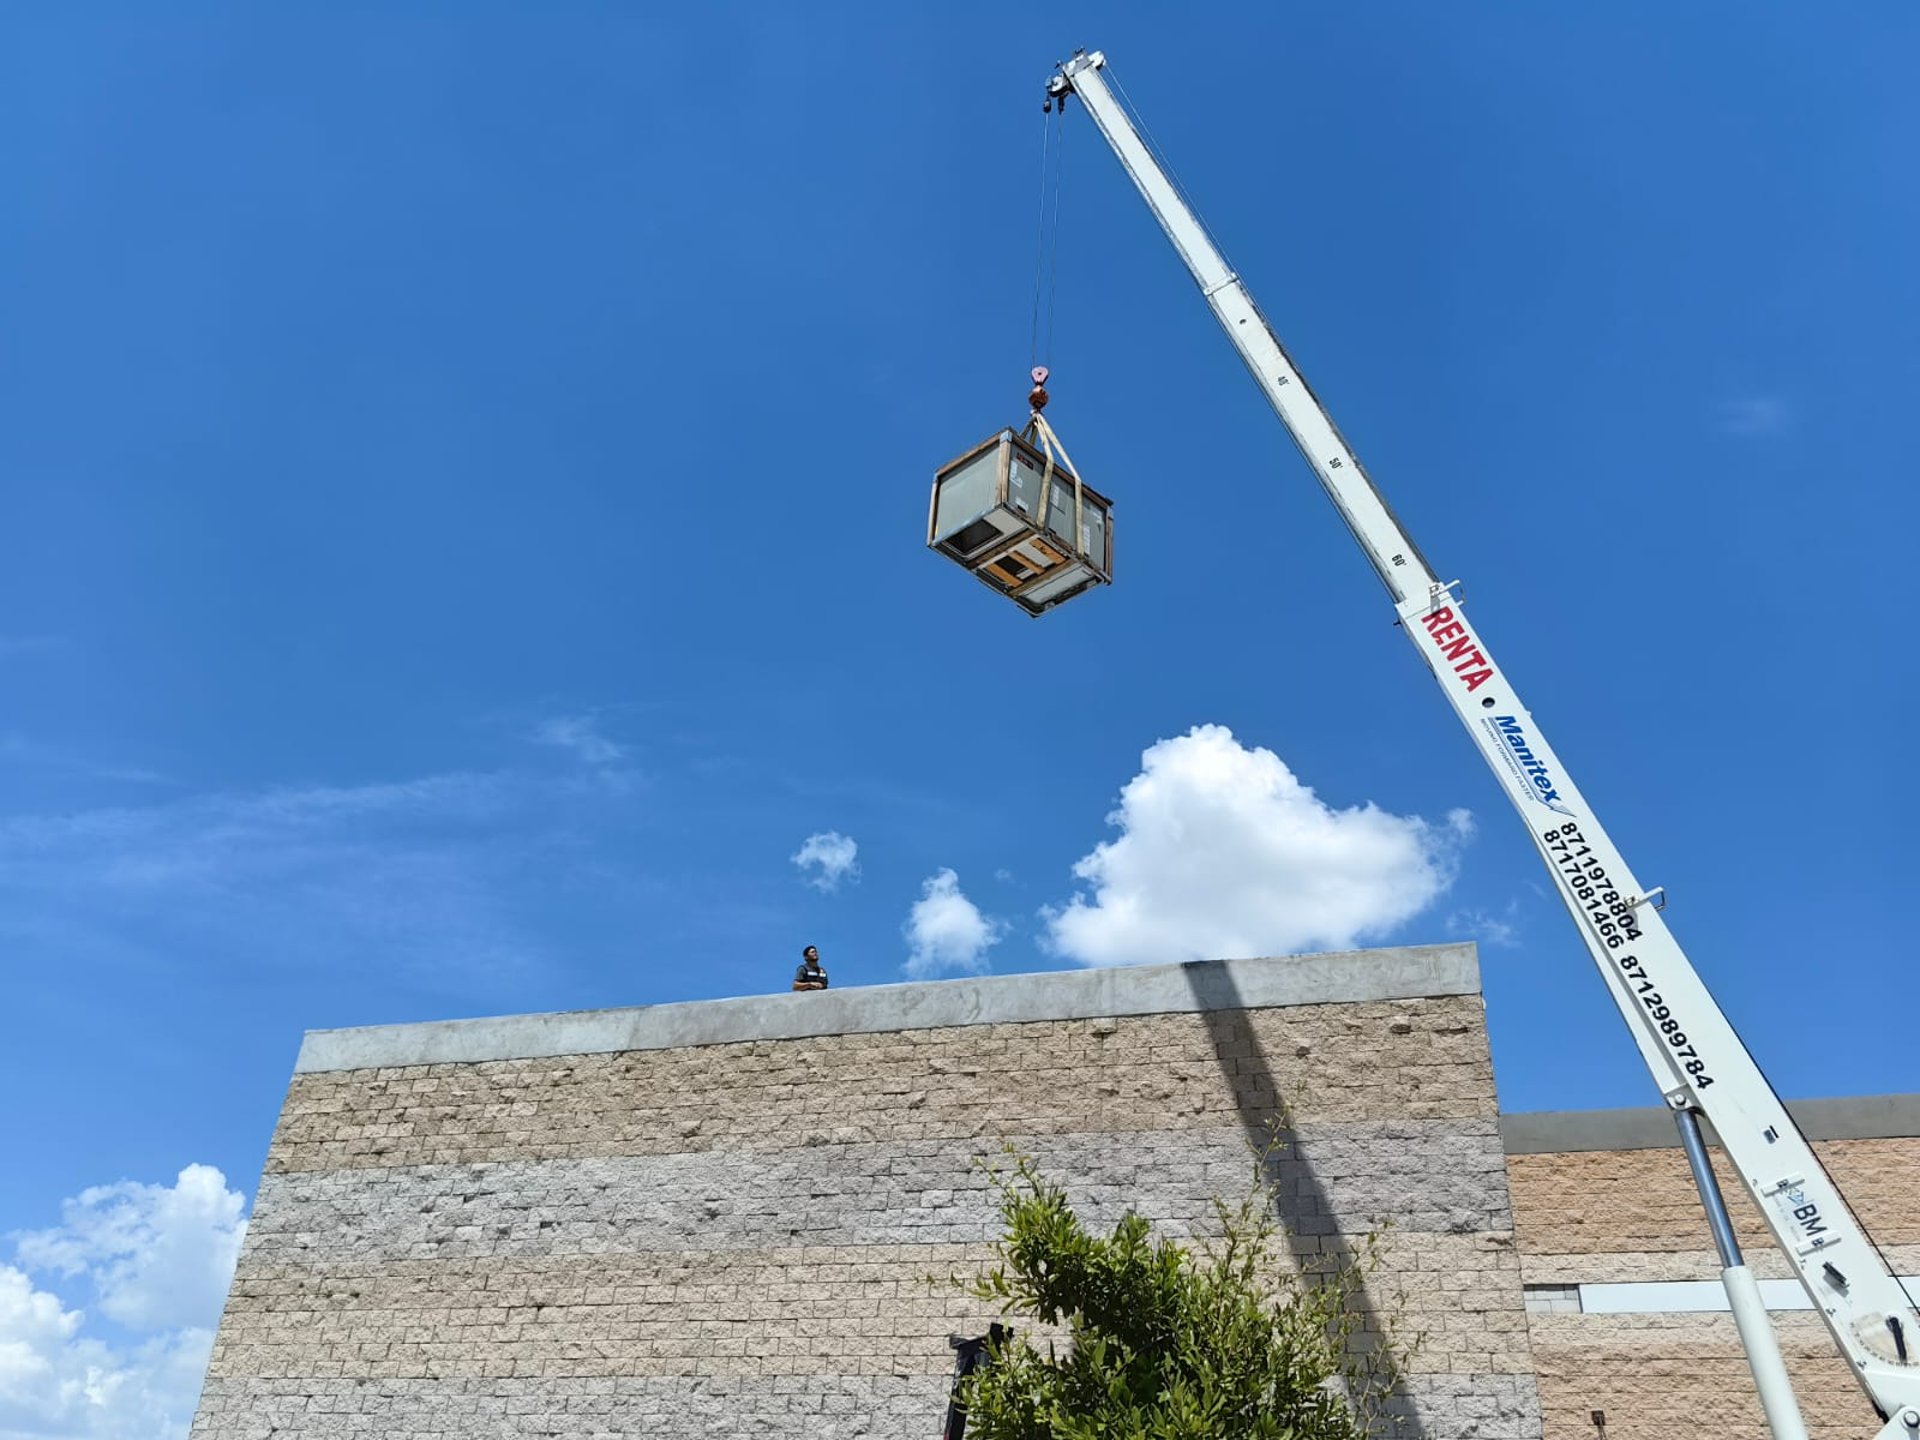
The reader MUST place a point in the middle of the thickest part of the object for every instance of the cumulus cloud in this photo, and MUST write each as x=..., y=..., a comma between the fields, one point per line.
x=1224, y=853
x=57, y=1384
x=826, y=858
x=158, y=1259
x=946, y=932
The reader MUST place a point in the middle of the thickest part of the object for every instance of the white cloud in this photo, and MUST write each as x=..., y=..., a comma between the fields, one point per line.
x=831, y=856
x=235, y=823
x=19, y=750
x=1754, y=416
x=1501, y=931
x=1223, y=854
x=57, y=1384
x=415, y=877
x=159, y=1259
x=945, y=931
x=33, y=1325
x=581, y=737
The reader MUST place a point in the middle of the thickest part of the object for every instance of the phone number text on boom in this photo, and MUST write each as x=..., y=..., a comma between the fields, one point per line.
x=1613, y=917
x=1605, y=906
x=1684, y=1054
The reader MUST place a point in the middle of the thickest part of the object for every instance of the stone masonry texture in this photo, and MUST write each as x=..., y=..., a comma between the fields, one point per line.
x=738, y=1237
x=1599, y=1216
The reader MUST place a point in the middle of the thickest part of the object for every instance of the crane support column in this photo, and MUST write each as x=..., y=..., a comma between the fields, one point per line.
x=1743, y=1292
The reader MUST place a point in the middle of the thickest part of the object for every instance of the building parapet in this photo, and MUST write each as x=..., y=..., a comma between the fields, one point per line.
x=1554, y=1132
x=1344, y=977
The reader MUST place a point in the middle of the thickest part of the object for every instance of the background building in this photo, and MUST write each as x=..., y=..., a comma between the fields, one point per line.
x=1623, y=1291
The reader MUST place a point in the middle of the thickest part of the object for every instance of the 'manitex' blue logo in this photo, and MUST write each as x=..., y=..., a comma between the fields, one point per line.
x=1509, y=729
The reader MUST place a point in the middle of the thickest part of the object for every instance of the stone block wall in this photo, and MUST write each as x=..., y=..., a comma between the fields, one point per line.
x=1603, y=1203
x=719, y=1219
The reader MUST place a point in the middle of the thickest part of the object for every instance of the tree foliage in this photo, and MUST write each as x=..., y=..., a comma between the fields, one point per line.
x=1220, y=1341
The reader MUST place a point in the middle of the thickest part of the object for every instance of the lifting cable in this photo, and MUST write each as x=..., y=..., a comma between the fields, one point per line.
x=1046, y=273
x=1046, y=257
x=1152, y=142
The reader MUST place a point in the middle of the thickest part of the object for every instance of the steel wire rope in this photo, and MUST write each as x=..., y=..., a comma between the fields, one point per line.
x=1040, y=237
x=1160, y=156
x=1053, y=262
x=1153, y=146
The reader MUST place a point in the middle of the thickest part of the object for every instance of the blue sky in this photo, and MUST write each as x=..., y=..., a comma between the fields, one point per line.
x=465, y=473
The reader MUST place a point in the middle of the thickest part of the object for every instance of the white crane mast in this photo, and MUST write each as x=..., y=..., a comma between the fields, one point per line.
x=1701, y=1065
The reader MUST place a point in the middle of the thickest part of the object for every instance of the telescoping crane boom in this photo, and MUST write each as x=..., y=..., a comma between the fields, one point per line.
x=1701, y=1065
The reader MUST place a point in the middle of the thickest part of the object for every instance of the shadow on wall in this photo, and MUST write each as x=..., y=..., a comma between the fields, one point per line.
x=1300, y=1198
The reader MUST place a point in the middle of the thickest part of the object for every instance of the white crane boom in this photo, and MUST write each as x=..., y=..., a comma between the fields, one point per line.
x=1701, y=1065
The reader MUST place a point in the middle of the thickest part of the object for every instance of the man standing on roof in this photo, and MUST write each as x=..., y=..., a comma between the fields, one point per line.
x=811, y=975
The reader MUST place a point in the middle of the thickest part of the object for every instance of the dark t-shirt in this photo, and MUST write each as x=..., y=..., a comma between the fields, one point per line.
x=815, y=974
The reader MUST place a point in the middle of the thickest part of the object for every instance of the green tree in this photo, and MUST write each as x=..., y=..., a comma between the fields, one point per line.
x=1220, y=1341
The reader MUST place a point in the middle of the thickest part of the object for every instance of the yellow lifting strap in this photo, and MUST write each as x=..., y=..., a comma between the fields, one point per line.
x=1039, y=429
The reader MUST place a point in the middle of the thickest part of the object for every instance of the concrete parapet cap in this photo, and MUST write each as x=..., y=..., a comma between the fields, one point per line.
x=1852, y=1117
x=1401, y=973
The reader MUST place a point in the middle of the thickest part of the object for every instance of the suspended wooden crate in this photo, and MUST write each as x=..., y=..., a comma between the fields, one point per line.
x=1021, y=521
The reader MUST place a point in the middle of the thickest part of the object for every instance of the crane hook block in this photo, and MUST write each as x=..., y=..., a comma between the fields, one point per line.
x=1015, y=513
x=1037, y=397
